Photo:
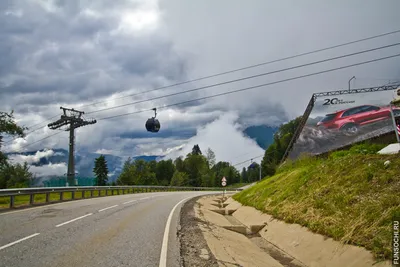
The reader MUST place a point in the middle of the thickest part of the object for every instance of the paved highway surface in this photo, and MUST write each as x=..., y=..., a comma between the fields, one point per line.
x=125, y=230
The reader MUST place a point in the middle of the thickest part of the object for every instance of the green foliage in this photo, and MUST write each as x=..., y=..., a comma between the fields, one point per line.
x=128, y=171
x=12, y=175
x=193, y=170
x=15, y=176
x=243, y=176
x=195, y=166
x=179, y=179
x=165, y=169
x=196, y=150
x=274, y=153
x=179, y=165
x=101, y=170
x=224, y=169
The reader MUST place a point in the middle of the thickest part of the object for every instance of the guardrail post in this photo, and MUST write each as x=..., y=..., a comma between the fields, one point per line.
x=73, y=195
x=12, y=201
x=61, y=196
x=31, y=199
x=83, y=194
x=91, y=193
x=99, y=193
x=47, y=197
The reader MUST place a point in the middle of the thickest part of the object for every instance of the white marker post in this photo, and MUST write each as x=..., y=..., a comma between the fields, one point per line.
x=223, y=184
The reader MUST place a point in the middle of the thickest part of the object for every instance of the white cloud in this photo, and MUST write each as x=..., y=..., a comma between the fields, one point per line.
x=224, y=137
x=32, y=158
x=58, y=169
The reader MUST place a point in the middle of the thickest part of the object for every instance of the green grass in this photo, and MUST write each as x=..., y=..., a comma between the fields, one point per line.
x=350, y=197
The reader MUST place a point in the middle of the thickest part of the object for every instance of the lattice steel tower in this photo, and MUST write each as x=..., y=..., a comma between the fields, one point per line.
x=72, y=119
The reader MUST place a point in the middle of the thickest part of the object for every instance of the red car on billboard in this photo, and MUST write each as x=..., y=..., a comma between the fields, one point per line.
x=349, y=120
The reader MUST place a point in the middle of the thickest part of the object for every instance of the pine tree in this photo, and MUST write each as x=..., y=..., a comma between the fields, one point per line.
x=196, y=150
x=101, y=170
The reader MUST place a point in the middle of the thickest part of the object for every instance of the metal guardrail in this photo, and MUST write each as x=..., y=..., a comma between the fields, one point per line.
x=107, y=190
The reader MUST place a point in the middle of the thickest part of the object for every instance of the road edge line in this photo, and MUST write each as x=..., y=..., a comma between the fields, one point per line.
x=164, y=247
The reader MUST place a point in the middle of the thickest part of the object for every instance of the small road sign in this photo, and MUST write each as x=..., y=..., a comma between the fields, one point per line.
x=223, y=183
x=223, y=179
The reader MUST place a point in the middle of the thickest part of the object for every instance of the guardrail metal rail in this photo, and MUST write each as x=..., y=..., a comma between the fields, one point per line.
x=114, y=190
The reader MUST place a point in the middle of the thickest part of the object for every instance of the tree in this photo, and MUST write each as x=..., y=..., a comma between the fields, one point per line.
x=179, y=179
x=243, y=176
x=12, y=175
x=16, y=176
x=196, y=150
x=101, y=170
x=195, y=166
x=9, y=127
x=143, y=174
x=274, y=153
x=164, y=171
x=210, y=155
x=179, y=165
x=127, y=174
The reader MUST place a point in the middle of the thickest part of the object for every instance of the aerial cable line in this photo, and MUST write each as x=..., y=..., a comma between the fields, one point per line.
x=256, y=86
x=245, y=78
x=230, y=71
x=240, y=90
x=248, y=67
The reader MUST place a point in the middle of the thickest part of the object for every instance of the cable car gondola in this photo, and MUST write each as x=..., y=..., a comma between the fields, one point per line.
x=152, y=124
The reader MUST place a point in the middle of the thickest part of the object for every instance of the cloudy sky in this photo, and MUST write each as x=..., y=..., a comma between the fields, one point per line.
x=75, y=53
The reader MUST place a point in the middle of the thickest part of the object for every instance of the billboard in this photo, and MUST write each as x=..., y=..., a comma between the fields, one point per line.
x=340, y=118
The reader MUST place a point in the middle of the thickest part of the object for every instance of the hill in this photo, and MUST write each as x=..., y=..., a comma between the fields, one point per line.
x=263, y=134
x=349, y=196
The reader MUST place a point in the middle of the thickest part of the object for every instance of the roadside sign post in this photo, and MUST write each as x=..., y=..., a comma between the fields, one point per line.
x=223, y=184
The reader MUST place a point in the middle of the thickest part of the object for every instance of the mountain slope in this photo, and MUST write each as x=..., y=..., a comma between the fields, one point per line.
x=263, y=134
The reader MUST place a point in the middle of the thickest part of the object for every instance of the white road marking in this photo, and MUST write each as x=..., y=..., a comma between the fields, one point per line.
x=131, y=201
x=20, y=240
x=61, y=224
x=164, y=248
x=108, y=208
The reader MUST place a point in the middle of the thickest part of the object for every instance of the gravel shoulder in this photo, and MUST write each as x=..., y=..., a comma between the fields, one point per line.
x=194, y=249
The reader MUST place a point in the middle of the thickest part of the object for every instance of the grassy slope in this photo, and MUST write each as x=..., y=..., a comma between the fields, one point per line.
x=351, y=198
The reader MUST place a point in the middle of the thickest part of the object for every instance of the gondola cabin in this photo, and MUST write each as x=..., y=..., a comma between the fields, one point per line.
x=152, y=125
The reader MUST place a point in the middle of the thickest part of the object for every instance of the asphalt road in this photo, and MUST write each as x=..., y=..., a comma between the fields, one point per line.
x=125, y=230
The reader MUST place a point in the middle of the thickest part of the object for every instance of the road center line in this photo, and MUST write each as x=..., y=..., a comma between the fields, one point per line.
x=20, y=240
x=108, y=208
x=61, y=224
x=164, y=248
x=130, y=201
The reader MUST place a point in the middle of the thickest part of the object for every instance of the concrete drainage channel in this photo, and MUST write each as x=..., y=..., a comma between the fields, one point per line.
x=252, y=233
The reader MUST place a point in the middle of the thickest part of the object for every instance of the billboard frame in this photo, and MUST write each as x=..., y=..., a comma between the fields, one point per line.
x=310, y=106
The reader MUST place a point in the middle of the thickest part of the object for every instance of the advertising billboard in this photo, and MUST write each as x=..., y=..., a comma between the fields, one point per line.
x=340, y=118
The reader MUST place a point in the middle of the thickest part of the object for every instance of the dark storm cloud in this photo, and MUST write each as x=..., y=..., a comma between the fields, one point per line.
x=75, y=56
